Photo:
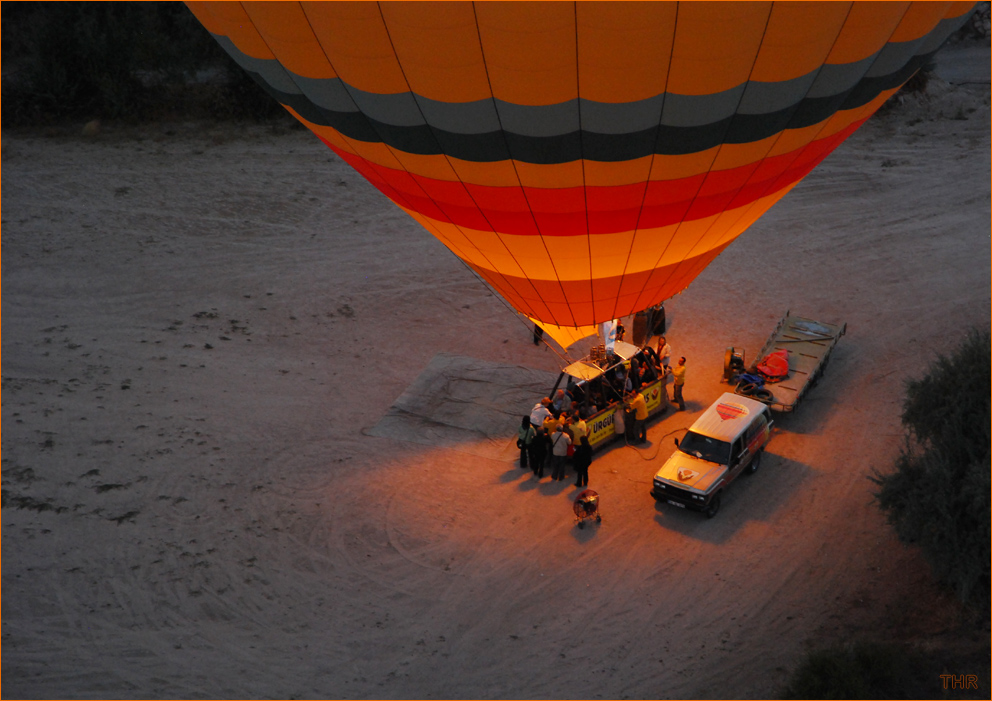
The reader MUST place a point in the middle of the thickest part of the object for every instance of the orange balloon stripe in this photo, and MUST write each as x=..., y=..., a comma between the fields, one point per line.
x=624, y=49
x=919, y=20
x=582, y=304
x=229, y=19
x=358, y=42
x=671, y=281
x=286, y=32
x=623, y=52
x=455, y=74
x=798, y=39
x=529, y=51
x=716, y=45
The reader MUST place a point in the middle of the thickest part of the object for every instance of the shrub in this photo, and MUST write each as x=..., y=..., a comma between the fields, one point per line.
x=864, y=671
x=889, y=670
x=78, y=60
x=938, y=497
x=119, y=61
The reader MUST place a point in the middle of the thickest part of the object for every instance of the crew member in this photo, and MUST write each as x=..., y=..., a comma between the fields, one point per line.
x=679, y=373
x=640, y=407
x=664, y=355
x=540, y=412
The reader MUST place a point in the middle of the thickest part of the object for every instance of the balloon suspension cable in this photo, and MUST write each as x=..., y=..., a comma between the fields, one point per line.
x=564, y=359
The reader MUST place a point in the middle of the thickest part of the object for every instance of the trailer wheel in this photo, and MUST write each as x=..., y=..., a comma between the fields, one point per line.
x=762, y=394
x=714, y=507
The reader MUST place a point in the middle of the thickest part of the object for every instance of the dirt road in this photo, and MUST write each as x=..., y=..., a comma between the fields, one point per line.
x=202, y=323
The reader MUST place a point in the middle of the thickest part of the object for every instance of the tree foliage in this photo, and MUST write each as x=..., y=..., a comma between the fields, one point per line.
x=119, y=61
x=889, y=670
x=864, y=671
x=938, y=497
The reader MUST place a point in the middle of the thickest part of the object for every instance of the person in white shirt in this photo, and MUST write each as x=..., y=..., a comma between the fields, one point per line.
x=540, y=412
x=559, y=453
x=664, y=354
x=561, y=402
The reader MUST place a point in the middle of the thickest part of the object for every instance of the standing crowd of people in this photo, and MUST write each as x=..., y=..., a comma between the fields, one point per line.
x=556, y=434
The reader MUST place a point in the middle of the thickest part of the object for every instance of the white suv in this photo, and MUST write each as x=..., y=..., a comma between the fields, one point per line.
x=724, y=442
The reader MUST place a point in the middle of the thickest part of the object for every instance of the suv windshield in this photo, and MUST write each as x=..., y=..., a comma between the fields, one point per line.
x=704, y=448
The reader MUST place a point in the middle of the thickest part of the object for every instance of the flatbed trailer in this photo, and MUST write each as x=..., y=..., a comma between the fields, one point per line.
x=809, y=344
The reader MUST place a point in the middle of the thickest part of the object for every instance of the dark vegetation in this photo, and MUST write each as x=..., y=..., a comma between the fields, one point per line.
x=882, y=671
x=938, y=496
x=119, y=61
x=937, y=499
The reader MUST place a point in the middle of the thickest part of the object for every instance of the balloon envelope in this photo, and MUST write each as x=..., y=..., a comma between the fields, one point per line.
x=586, y=159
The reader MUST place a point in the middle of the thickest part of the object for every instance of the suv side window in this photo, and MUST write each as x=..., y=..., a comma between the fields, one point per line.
x=759, y=424
x=756, y=427
x=735, y=452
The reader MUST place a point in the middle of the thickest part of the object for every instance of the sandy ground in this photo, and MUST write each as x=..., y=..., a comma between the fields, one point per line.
x=201, y=326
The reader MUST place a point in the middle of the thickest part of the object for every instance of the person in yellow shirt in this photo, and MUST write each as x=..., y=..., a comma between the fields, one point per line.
x=640, y=407
x=550, y=425
x=577, y=427
x=679, y=374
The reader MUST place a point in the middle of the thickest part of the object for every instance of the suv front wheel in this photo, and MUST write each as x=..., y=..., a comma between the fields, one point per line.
x=714, y=506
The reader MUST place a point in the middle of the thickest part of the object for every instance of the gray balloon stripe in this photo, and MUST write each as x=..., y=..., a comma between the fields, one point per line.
x=661, y=139
x=483, y=116
x=894, y=55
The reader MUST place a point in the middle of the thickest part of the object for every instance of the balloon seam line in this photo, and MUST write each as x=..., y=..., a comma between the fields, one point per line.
x=493, y=266
x=513, y=164
x=647, y=181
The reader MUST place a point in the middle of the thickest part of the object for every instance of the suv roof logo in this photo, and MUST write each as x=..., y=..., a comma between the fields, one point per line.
x=729, y=410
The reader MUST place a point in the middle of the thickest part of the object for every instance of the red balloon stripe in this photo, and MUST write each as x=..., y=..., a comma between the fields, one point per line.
x=611, y=209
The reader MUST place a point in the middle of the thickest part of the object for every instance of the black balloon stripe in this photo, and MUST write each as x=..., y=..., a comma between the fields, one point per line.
x=663, y=140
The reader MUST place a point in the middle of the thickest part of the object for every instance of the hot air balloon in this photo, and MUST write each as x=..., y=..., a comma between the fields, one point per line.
x=588, y=159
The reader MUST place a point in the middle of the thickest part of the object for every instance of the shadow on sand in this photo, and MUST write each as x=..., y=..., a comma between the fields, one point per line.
x=748, y=498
